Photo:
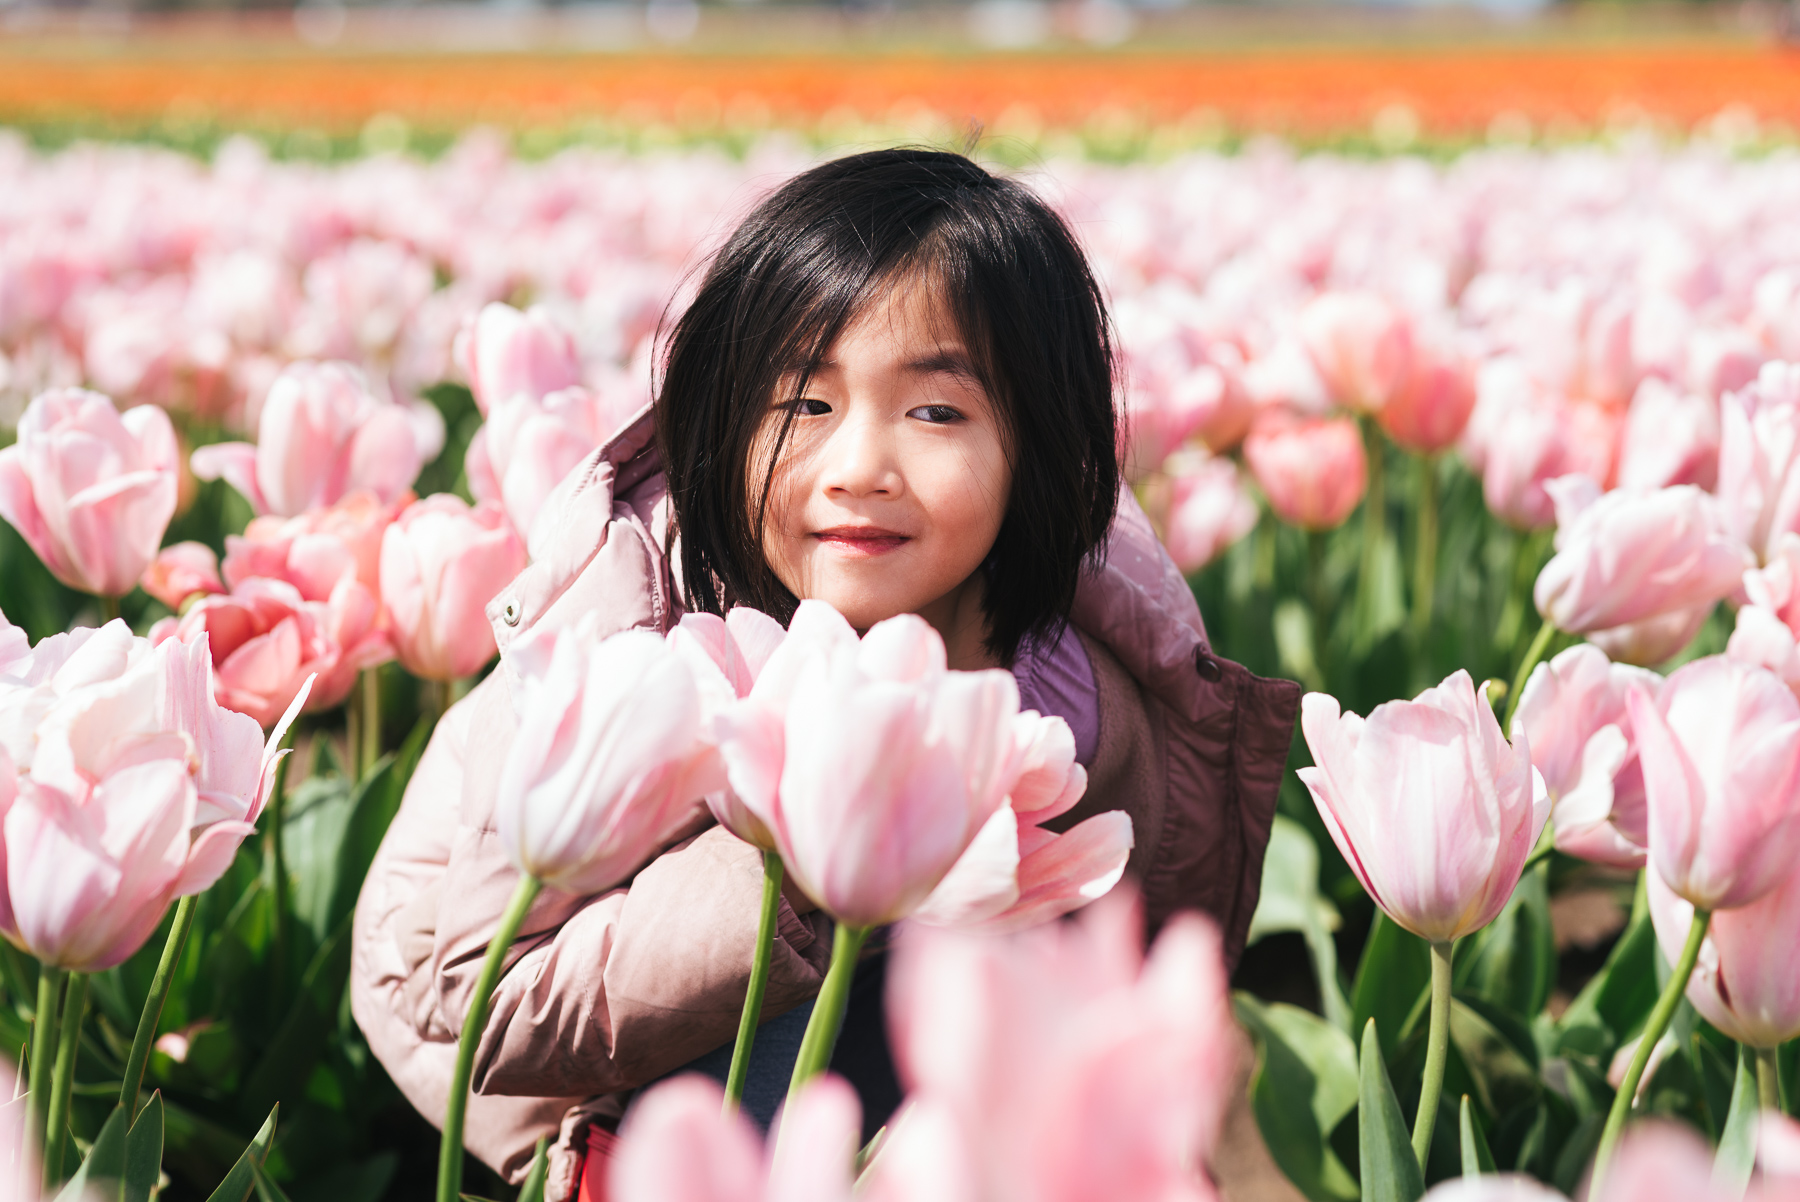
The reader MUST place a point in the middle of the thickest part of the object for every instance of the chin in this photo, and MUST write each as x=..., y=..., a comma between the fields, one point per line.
x=863, y=608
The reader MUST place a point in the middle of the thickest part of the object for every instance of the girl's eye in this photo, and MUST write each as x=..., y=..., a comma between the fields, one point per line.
x=935, y=414
x=808, y=407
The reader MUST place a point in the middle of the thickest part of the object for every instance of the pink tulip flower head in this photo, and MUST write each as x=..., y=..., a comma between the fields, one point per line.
x=441, y=563
x=530, y=443
x=140, y=790
x=1747, y=980
x=1759, y=452
x=1429, y=413
x=609, y=759
x=1311, y=469
x=1361, y=345
x=1574, y=715
x=1665, y=1162
x=90, y=489
x=506, y=353
x=1016, y=874
x=1493, y=1187
x=1058, y=1064
x=179, y=571
x=1209, y=509
x=1434, y=810
x=323, y=435
x=1720, y=746
x=266, y=640
x=317, y=549
x=1768, y=628
x=678, y=1145
x=1671, y=437
x=1627, y=556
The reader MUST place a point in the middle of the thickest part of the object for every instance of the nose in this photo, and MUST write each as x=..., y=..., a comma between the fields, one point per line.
x=859, y=460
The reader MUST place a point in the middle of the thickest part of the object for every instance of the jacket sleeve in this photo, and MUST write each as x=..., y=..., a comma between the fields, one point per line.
x=608, y=992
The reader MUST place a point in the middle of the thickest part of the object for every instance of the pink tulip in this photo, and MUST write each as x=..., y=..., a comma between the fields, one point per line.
x=506, y=353
x=1311, y=469
x=266, y=640
x=1361, y=345
x=1768, y=628
x=181, y=570
x=1058, y=1064
x=678, y=1145
x=1720, y=747
x=1574, y=715
x=530, y=443
x=317, y=549
x=1432, y=808
x=1661, y=1161
x=1209, y=509
x=1671, y=437
x=1652, y=640
x=609, y=759
x=1747, y=981
x=1629, y=555
x=1759, y=451
x=91, y=490
x=324, y=435
x=1016, y=874
x=1521, y=436
x=1429, y=413
x=441, y=563
x=872, y=765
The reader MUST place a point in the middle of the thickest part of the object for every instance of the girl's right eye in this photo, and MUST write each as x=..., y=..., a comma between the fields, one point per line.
x=808, y=407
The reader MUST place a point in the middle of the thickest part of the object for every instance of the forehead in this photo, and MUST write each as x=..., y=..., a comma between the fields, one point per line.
x=908, y=325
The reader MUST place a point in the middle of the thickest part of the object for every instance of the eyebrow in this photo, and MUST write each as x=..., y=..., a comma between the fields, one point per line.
x=948, y=361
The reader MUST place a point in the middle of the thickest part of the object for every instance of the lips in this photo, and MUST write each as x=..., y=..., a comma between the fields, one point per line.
x=862, y=541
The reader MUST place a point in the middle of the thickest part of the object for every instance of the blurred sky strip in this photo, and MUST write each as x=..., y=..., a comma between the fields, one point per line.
x=1393, y=76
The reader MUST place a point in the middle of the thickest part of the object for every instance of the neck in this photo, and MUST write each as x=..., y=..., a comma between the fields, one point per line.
x=958, y=616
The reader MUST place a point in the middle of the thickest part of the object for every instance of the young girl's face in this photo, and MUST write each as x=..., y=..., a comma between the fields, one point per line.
x=894, y=480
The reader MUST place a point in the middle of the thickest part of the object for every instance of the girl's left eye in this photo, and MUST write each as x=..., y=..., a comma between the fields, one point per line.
x=935, y=414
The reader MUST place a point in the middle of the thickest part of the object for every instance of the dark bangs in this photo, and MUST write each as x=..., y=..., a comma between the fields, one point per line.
x=801, y=267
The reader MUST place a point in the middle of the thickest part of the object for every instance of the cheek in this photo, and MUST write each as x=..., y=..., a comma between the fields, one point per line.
x=966, y=498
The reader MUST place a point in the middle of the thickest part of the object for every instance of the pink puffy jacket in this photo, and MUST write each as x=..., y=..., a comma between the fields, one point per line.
x=602, y=994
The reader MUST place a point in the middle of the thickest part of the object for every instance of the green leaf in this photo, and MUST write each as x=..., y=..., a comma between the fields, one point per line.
x=1290, y=901
x=143, y=1151
x=105, y=1162
x=1498, y=1053
x=295, y=1047
x=1621, y=995
x=356, y=1181
x=1392, y=981
x=266, y=1189
x=1737, y=1144
x=1303, y=1087
x=242, y=1178
x=1512, y=961
x=1390, y=1172
x=1577, y=1152
x=1476, y=1159
x=533, y=1189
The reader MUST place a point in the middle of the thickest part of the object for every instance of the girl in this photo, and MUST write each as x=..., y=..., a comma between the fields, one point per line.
x=894, y=391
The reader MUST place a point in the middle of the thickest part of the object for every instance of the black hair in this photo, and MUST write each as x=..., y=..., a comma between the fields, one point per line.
x=805, y=262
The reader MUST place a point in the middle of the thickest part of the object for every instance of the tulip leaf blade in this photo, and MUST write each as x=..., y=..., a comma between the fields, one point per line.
x=1393, y=981
x=1476, y=1159
x=266, y=1188
x=533, y=1188
x=1303, y=1086
x=1737, y=1141
x=143, y=1151
x=241, y=1180
x=1390, y=1171
x=105, y=1162
x=1511, y=962
x=1290, y=901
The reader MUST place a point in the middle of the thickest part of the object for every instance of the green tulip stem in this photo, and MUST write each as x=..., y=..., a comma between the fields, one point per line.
x=1426, y=548
x=153, y=1006
x=450, y=1152
x=68, y=1043
x=370, y=723
x=1437, y=1047
x=1374, y=515
x=275, y=816
x=43, y=1048
x=1654, y=1027
x=821, y=1035
x=759, y=982
x=1533, y=654
x=109, y=608
x=1768, y=1079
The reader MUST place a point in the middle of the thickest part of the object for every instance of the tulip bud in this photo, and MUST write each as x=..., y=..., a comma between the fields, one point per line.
x=506, y=353
x=441, y=563
x=1361, y=345
x=181, y=570
x=1312, y=469
x=1747, y=981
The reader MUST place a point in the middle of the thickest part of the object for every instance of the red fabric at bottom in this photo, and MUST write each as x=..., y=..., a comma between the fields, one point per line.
x=590, y=1177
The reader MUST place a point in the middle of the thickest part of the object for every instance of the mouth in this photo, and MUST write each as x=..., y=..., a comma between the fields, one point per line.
x=861, y=541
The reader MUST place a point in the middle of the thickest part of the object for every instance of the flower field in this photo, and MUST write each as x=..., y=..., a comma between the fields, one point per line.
x=1497, y=453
